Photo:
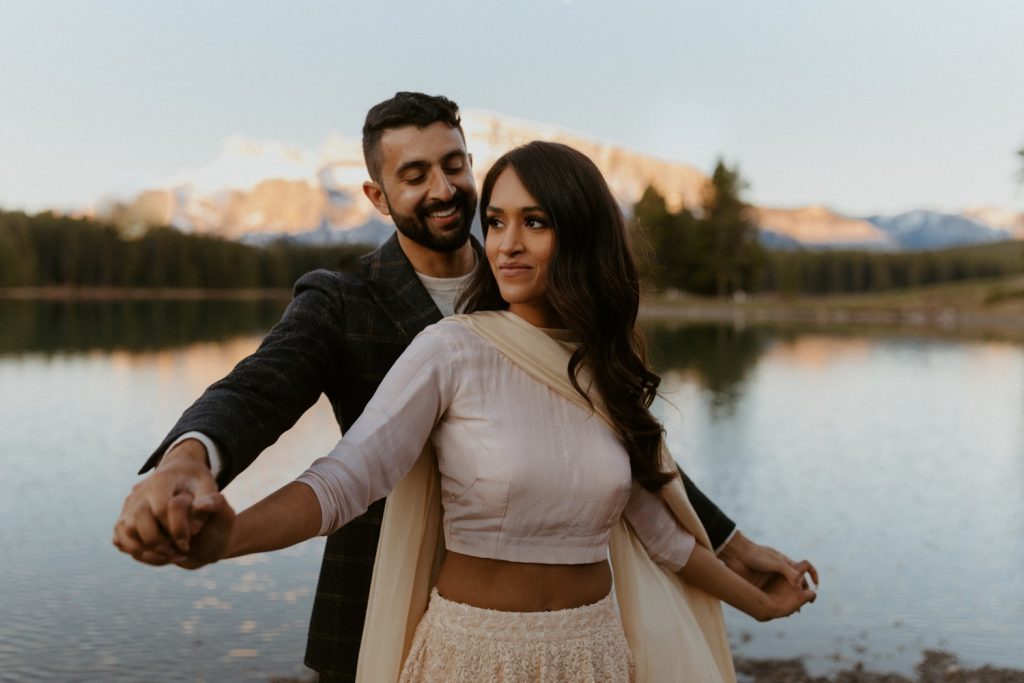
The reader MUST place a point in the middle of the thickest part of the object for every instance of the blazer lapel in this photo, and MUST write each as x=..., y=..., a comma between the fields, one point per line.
x=397, y=290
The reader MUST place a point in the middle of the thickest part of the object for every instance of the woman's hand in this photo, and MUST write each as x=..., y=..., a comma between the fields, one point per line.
x=783, y=598
x=213, y=539
x=778, y=598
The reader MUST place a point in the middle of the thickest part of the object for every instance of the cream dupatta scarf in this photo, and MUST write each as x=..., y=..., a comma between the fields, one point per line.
x=675, y=631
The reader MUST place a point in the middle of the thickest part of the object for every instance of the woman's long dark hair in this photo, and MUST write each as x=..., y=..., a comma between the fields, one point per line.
x=592, y=285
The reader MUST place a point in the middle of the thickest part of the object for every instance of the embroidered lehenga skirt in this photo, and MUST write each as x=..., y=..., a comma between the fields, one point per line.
x=457, y=643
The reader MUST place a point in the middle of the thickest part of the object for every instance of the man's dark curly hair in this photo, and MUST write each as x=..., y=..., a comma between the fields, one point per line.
x=404, y=109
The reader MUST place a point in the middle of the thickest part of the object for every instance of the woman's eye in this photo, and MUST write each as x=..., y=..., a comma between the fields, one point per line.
x=493, y=222
x=535, y=222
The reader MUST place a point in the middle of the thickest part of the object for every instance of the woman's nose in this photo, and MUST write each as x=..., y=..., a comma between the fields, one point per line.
x=510, y=241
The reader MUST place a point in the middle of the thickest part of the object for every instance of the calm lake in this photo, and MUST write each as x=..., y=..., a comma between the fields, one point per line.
x=894, y=462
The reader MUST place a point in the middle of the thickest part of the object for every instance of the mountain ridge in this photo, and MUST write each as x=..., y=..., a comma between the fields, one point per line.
x=260, y=190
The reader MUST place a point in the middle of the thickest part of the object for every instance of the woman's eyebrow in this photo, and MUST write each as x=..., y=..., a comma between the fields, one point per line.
x=524, y=209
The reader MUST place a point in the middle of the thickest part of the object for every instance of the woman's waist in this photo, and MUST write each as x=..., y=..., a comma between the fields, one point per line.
x=522, y=586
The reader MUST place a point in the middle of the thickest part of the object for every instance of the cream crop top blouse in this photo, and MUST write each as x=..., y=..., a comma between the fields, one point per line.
x=526, y=476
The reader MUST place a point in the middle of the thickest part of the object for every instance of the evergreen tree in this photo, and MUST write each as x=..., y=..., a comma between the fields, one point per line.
x=736, y=252
x=652, y=238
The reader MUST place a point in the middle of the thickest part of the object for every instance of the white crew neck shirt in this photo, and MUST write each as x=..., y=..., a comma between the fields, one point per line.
x=445, y=290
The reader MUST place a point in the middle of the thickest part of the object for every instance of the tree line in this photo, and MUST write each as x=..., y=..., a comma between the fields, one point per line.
x=710, y=250
x=714, y=250
x=48, y=249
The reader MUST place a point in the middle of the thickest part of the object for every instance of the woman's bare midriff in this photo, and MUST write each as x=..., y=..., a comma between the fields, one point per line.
x=521, y=586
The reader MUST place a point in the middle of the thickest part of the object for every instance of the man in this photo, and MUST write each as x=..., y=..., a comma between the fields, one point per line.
x=339, y=336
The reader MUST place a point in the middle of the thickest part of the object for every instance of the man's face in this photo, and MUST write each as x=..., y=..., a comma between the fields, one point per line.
x=427, y=185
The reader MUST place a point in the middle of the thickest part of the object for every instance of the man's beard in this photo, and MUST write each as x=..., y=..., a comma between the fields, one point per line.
x=415, y=226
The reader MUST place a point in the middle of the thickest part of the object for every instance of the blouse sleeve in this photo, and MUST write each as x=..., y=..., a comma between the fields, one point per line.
x=666, y=542
x=384, y=443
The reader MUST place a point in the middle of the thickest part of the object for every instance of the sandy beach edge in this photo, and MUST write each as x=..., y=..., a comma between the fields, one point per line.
x=934, y=667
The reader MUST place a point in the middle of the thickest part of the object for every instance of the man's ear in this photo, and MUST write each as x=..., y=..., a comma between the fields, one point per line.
x=375, y=193
x=469, y=155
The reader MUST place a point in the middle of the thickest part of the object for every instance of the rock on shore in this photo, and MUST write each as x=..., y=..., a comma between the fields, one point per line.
x=936, y=667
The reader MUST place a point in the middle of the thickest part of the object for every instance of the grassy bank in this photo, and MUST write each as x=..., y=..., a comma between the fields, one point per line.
x=979, y=306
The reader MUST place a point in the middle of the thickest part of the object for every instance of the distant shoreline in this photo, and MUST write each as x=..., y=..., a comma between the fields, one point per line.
x=70, y=293
x=975, y=307
x=978, y=307
x=830, y=313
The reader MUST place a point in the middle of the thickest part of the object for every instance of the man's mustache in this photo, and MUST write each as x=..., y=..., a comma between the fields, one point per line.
x=458, y=200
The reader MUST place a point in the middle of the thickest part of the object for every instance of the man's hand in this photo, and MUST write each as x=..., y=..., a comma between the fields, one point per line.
x=212, y=542
x=762, y=565
x=156, y=526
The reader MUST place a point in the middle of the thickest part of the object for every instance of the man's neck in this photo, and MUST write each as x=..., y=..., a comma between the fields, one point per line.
x=438, y=263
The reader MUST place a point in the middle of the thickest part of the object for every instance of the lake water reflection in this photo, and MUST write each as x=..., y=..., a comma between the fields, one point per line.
x=895, y=463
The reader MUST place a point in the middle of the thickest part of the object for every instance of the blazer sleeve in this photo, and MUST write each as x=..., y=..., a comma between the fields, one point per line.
x=716, y=523
x=267, y=392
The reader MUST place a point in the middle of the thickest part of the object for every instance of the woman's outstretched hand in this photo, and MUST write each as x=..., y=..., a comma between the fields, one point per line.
x=784, y=598
x=778, y=597
x=211, y=542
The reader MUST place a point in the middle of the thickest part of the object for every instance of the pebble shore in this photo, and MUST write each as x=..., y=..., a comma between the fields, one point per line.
x=935, y=667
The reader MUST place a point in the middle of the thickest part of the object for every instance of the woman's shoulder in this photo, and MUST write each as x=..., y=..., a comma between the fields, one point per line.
x=444, y=332
x=451, y=331
x=464, y=335
x=448, y=347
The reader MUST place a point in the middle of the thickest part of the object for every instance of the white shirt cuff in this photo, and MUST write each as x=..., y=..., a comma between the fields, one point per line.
x=717, y=550
x=212, y=452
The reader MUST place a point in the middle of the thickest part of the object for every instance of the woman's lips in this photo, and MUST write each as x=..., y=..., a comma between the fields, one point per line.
x=514, y=269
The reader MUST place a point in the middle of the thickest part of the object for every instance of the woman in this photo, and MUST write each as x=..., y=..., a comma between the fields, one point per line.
x=538, y=409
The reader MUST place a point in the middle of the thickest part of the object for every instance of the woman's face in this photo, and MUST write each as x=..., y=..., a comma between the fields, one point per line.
x=520, y=243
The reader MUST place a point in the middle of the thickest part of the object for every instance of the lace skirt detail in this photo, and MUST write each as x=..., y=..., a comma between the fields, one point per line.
x=456, y=642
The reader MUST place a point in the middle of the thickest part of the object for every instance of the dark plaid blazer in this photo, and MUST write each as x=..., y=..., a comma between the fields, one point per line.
x=339, y=336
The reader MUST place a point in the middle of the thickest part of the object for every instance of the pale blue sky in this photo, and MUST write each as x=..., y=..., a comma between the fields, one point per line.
x=867, y=106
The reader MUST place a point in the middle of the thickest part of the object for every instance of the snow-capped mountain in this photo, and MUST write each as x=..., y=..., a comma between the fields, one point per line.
x=253, y=189
x=259, y=191
x=816, y=227
x=489, y=135
x=994, y=217
x=920, y=230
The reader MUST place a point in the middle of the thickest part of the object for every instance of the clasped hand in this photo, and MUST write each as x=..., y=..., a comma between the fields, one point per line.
x=176, y=515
